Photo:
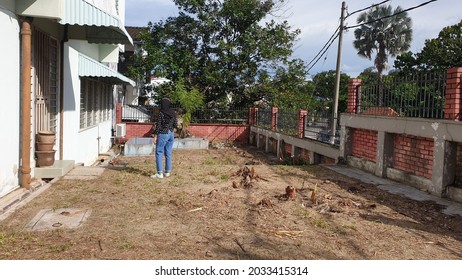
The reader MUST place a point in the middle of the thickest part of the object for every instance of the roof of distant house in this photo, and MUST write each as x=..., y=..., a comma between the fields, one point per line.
x=134, y=32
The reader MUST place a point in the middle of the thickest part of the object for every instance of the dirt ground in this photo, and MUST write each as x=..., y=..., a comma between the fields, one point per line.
x=231, y=203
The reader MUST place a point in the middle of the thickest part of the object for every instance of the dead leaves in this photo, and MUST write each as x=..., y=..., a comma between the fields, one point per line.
x=248, y=177
x=291, y=192
x=315, y=197
x=313, y=193
x=265, y=202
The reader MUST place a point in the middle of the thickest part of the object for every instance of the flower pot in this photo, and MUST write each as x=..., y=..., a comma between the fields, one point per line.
x=45, y=146
x=46, y=136
x=45, y=158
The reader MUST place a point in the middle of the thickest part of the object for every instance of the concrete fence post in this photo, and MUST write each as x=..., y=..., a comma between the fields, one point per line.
x=453, y=96
x=253, y=116
x=301, y=123
x=354, y=96
x=274, y=116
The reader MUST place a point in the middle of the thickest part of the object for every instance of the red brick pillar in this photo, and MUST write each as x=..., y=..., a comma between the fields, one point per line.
x=353, y=99
x=118, y=112
x=301, y=122
x=253, y=116
x=453, y=96
x=274, y=114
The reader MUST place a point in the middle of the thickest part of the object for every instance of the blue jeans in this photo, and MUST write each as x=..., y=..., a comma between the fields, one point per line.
x=164, y=147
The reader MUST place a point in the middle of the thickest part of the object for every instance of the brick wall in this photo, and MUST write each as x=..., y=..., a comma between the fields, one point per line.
x=305, y=155
x=221, y=132
x=413, y=154
x=135, y=129
x=364, y=144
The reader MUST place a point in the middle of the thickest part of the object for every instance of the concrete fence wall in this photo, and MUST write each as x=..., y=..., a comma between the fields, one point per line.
x=425, y=153
x=292, y=148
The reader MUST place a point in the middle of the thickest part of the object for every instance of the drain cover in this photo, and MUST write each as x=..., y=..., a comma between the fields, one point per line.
x=47, y=219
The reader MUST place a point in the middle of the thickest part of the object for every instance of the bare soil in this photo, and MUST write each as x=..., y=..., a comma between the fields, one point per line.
x=231, y=203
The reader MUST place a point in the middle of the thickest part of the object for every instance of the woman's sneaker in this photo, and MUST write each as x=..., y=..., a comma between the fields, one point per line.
x=157, y=176
x=166, y=174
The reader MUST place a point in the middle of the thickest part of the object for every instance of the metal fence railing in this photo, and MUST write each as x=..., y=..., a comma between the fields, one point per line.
x=318, y=127
x=264, y=118
x=420, y=95
x=137, y=113
x=144, y=113
x=220, y=116
x=287, y=122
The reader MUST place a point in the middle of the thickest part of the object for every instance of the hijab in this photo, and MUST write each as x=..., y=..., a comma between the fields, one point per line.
x=165, y=107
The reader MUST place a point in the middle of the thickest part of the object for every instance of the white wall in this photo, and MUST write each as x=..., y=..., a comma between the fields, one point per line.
x=9, y=106
x=82, y=146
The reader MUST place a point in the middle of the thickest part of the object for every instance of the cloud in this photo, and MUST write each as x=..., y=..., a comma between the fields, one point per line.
x=318, y=20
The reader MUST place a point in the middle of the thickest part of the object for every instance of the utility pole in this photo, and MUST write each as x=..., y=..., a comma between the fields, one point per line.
x=337, y=76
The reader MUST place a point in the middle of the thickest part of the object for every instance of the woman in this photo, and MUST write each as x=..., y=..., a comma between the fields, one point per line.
x=163, y=138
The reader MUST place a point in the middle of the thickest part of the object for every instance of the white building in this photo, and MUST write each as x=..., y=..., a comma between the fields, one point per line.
x=58, y=74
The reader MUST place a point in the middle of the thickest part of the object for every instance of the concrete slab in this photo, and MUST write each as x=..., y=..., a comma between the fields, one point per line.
x=48, y=219
x=191, y=143
x=449, y=207
x=139, y=147
x=58, y=169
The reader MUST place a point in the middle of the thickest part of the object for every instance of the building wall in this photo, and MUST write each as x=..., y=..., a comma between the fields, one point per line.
x=10, y=105
x=81, y=145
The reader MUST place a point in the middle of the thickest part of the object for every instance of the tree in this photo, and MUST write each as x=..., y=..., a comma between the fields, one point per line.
x=442, y=52
x=385, y=32
x=289, y=88
x=324, y=90
x=220, y=48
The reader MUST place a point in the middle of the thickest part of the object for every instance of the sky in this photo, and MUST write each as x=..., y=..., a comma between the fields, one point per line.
x=318, y=20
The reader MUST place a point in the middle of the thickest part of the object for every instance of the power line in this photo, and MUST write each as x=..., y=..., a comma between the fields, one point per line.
x=334, y=34
x=329, y=42
x=372, y=6
x=332, y=41
x=403, y=11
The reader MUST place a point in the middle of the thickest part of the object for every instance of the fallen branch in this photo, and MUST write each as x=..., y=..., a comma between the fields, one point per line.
x=240, y=245
x=194, y=210
x=286, y=233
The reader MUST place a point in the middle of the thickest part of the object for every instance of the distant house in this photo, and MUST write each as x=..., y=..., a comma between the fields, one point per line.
x=126, y=60
x=59, y=74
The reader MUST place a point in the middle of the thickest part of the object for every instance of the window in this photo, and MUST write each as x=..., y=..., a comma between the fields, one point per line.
x=45, y=80
x=95, y=102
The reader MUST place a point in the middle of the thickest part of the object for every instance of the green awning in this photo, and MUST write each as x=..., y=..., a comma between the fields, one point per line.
x=100, y=26
x=89, y=67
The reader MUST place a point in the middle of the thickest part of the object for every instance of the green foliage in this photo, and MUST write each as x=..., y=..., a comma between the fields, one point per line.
x=383, y=34
x=442, y=52
x=220, y=48
x=189, y=100
x=324, y=90
x=288, y=88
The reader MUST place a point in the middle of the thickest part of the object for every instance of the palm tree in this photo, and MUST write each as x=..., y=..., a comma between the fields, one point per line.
x=385, y=32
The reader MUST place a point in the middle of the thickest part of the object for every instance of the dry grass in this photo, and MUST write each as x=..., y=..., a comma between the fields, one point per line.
x=232, y=203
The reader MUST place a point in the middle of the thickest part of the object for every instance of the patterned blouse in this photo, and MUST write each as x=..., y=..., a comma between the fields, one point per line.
x=165, y=124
